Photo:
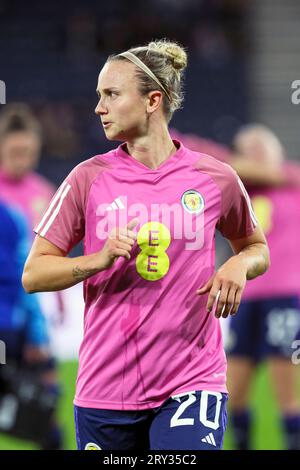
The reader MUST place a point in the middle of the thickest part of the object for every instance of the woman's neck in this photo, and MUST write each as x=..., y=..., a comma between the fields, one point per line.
x=153, y=149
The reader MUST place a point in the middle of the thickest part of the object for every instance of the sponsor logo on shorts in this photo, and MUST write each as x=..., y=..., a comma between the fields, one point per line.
x=92, y=446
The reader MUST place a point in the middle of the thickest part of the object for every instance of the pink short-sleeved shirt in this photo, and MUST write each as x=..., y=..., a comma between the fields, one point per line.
x=147, y=334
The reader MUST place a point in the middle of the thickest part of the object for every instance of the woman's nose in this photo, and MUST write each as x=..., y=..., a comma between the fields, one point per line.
x=100, y=109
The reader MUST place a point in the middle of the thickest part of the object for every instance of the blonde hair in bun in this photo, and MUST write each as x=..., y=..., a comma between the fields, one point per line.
x=175, y=53
x=167, y=60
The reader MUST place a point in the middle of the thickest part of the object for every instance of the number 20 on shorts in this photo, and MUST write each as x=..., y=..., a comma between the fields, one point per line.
x=176, y=420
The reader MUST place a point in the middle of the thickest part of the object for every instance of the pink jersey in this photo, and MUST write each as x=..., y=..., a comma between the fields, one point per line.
x=278, y=211
x=31, y=194
x=147, y=334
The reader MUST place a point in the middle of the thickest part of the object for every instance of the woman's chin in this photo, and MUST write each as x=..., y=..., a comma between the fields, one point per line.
x=119, y=136
x=111, y=135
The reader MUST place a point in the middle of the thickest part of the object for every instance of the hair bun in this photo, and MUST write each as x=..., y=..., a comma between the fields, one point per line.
x=172, y=50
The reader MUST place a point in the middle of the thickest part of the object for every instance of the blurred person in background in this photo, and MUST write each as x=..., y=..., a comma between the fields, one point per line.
x=20, y=147
x=30, y=193
x=21, y=320
x=143, y=305
x=264, y=174
x=269, y=315
x=22, y=328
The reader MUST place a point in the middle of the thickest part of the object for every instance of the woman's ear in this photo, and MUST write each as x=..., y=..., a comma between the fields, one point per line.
x=154, y=101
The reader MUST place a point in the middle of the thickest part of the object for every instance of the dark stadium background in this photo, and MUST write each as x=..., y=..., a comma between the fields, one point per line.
x=243, y=58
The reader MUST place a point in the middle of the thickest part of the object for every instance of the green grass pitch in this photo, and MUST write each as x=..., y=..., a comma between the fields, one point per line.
x=266, y=433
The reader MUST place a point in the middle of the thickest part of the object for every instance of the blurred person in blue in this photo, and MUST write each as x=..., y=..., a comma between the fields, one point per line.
x=23, y=326
x=20, y=184
x=29, y=193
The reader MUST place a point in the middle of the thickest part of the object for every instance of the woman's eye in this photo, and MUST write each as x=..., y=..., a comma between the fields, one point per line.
x=112, y=94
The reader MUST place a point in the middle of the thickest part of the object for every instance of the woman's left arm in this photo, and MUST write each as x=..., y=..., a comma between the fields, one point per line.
x=225, y=287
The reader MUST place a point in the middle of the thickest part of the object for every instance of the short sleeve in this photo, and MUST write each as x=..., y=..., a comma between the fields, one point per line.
x=63, y=223
x=237, y=218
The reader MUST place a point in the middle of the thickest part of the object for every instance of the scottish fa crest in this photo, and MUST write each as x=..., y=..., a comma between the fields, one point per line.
x=192, y=201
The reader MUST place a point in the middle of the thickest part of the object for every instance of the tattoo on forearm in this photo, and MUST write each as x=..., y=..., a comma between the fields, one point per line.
x=82, y=274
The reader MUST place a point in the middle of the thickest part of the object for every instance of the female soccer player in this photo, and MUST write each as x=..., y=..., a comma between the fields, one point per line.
x=152, y=368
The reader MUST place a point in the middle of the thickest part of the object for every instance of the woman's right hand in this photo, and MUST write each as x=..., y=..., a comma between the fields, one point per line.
x=119, y=243
x=49, y=269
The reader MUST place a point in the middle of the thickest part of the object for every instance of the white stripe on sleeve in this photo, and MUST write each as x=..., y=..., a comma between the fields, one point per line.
x=53, y=202
x=252, y=214
x=56, y=211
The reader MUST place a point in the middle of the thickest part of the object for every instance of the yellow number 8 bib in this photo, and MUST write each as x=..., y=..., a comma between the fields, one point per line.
x=153, y=263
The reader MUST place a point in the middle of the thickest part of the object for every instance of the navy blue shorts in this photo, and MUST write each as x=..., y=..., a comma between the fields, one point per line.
x=264, y=328
x=193, y=420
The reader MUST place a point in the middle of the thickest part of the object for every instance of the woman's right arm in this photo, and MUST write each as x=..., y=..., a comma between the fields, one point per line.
x=48, y=269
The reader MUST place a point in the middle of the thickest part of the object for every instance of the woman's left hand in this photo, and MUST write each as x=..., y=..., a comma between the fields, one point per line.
x=225, y=287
